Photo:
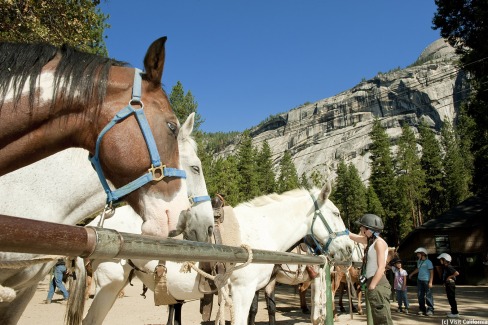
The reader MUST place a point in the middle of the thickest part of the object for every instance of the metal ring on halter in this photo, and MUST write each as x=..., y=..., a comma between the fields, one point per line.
x=136, y=101
x=107, y=209
x=153, y=170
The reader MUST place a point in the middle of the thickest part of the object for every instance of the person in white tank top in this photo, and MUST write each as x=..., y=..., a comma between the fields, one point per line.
x=378, y=288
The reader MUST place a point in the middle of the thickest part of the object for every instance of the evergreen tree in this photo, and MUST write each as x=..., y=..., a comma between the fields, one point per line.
x=79, y=24
x=288, y=177
x=411, y=182
x=373, y=204
x=317, y=179
x=184, y=104
x=383, y=179
x=266, y=175
x=304, y=181
x=457, y=178
x=431, y=162
x=246, y=165
x=357, y=202
x=226, y=180
x=340, y=191
x=463, y=23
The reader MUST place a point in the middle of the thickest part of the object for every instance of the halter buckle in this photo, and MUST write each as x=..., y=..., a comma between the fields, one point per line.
x=333, y=235
x=157, y=172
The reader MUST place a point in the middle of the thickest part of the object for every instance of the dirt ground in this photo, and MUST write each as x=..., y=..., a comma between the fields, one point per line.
x=134, y=309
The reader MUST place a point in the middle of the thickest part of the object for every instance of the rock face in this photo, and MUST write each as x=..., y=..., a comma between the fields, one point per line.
x=319, y=134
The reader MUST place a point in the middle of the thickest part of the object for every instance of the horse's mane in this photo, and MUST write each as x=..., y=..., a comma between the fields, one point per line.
x=78, y=74
x=272, y=198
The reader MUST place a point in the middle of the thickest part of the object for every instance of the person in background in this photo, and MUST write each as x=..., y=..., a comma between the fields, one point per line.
x=425, y=271
x=57, y=281
x=449, y=275
x=377, y=286
x=400, y=285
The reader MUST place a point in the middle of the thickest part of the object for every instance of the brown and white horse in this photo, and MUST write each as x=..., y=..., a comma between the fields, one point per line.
x=52, y=99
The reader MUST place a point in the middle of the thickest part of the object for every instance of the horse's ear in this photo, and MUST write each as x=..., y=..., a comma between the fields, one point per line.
x=154, y=60
x=325, y=192
x=187, y=127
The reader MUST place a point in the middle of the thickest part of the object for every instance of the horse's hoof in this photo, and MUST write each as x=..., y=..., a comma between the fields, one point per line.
x=360, y=312
x=342, y=309
x=306, y=311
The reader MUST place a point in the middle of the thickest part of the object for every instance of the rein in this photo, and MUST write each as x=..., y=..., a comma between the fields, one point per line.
x=332, y=235
x=157, y=171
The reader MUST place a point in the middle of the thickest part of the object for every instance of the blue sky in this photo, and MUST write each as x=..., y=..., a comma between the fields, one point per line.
x=246, y=60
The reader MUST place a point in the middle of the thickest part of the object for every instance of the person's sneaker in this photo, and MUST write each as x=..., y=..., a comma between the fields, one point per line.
x=429, y=313
x=406, y=310
x=399, y=310
x=450, y=315
x=47, y=301
x=421, y=313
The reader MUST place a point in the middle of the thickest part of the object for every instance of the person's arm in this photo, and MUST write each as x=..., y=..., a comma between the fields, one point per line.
x=380, y=248
x=404, y=283
x=359, y=238
x=413, y=273
x=431, y=278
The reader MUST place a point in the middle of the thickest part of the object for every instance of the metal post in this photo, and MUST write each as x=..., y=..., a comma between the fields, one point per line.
x=329, y=317
x=39, y=237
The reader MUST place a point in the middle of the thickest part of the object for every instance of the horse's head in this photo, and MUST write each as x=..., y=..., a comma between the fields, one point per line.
x=328, y=227
x=124, y=154
x=197, y=222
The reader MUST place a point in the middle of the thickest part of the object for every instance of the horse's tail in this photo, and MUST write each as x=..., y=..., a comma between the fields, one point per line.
x=76, y=301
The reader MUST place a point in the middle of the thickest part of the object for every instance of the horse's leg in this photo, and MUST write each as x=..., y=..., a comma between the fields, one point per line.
x=110, y=278
x=302, y=289
x=269, y=294
x=206, y=304
x=177, y=308
x=253, y=310
x=171, y=314
x=242, y=296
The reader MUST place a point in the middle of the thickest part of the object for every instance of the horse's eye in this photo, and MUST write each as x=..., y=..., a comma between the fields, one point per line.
x=196, y=169
x=337, y=214
x=172, y=127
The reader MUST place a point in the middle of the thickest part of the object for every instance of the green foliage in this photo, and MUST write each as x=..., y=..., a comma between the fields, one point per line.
x=457, y=177
x=410, y=182
x=431, y=163
x=225, y=180
x=264, y=165
x=79, y=24
x=317, y=179
x=246, y=165
x=304, y=181
x=184, y=104
x=288, y=177
x=463, y=23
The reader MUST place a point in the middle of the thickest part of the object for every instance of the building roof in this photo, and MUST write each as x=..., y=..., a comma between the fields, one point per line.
x=469, y=213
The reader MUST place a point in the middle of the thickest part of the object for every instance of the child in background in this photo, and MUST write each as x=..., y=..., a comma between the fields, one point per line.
x=449, y=275
x=400, y=285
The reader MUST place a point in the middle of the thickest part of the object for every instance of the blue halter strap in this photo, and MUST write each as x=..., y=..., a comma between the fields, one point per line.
x=332, y=235
x=194, y=200
x=157, y=171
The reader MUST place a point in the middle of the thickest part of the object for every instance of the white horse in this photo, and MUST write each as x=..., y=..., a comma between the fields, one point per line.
x=273, y=222
x=63, y=188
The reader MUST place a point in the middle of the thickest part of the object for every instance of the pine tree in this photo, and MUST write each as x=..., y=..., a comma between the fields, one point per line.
x=184, y=104
x=317, y=179
x=431, y=162
x=383, y=179
x=288, y=177
x=304, y=183
x=457, y=178
x=373, y=204
x=357, y=195
x=246, y=165
x=411, y=182
x=340, y=190
x=266, y=175
x=226, y=180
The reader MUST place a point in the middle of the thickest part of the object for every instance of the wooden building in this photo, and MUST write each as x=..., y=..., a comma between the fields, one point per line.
x=461, y=232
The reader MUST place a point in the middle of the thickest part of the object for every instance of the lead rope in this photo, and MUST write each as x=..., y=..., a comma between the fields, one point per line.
x=220, y=281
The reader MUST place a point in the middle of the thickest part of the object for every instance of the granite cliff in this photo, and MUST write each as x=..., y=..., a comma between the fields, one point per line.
x=319, y=134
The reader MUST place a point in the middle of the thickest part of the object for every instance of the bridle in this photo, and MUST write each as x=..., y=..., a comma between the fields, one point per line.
x=332, y=235
x=157, y=171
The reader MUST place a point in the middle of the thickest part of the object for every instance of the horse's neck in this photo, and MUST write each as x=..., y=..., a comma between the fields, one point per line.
x=277, y=225
x=62, y=188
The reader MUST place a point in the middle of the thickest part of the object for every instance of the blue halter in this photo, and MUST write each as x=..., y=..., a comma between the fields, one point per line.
x=332, y=235
x=156, y=167
x=194, y=200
